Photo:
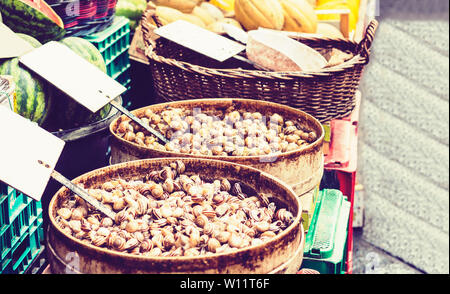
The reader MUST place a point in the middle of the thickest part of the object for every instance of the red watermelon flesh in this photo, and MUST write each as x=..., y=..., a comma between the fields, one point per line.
x=43, y=7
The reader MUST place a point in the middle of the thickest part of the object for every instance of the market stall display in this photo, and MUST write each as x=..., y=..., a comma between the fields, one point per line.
x=235, y=179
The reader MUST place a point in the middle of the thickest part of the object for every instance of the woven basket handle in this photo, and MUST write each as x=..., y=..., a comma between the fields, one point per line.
x=365, y=44
x=147, y=27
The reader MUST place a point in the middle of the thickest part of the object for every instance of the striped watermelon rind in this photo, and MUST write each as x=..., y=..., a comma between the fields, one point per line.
x=20, y=15
x=87, y=50
x=32, y=97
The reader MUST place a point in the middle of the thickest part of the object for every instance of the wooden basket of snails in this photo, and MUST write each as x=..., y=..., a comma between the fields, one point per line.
x=280, y=140
x=177, y=215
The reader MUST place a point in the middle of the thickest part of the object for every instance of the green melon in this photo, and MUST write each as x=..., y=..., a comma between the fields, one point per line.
x=87, y=50
x=32, y=92
x=66, y=112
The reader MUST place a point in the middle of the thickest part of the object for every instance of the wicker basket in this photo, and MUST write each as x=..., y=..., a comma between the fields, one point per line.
x=180, y=73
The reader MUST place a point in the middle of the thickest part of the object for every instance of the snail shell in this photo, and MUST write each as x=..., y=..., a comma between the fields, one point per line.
x=190, y=252
x=77, y=214
x=117, y=243
x=158, y=240
x=222, y=209
x=267, y=235
x=156, y=251
x=142, y=205
x=132, y=226
x=210, y=213
x=256, y=242
x=75, y=225
x=223, y=236
x=262, y=226
x=107, y=222
x=146, y=245
x=108, y=186
x=201, y=220
x=181, y=240
x=65, y=213
x=99, y=240
x=235, y=241
x=157, y=191
x=177, y=252
x=131, y=244
x=168, y=185
x=213, y=244
x=119, y=204
x=168, y=241
x=197, y=210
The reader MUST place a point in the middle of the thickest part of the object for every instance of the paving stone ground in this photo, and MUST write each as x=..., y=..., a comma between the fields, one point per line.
x=404, y=142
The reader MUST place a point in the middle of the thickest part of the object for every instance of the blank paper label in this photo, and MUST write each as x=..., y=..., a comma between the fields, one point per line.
x=28, y=154
x=73, y=75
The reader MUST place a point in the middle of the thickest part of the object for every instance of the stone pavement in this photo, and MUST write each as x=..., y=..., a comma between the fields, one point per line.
x=404, y=142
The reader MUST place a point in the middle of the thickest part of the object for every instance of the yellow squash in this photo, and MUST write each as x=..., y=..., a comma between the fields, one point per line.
x=299, y=16
x=329, y=31
x=226, y=5
x=259, y=13
x=185, y=6
x=203, y=14
x=168, y=15
x=216, y=27
x=213, y=10
x=194, y=20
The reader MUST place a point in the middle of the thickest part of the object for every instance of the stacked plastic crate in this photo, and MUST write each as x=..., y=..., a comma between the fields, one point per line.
x=21, y=231
x=326, y=241
x=113, y=43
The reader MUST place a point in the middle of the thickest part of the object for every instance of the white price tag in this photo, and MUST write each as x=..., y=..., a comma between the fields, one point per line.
x=73, y=75
x=200, y=40
x=28, y=154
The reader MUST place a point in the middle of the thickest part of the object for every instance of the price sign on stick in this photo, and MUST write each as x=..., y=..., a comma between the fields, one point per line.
x=73, y=75
x=200, y=40
x=79, y=79
x=206, y=42
x=28, y=156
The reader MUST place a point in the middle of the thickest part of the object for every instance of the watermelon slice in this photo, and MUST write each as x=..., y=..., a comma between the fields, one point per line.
x=32, y=17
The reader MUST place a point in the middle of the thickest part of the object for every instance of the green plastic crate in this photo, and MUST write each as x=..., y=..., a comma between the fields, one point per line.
x=12, y=202
x=326, y=240
x=24, y=252
x=21, y=231
x=113, y=43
